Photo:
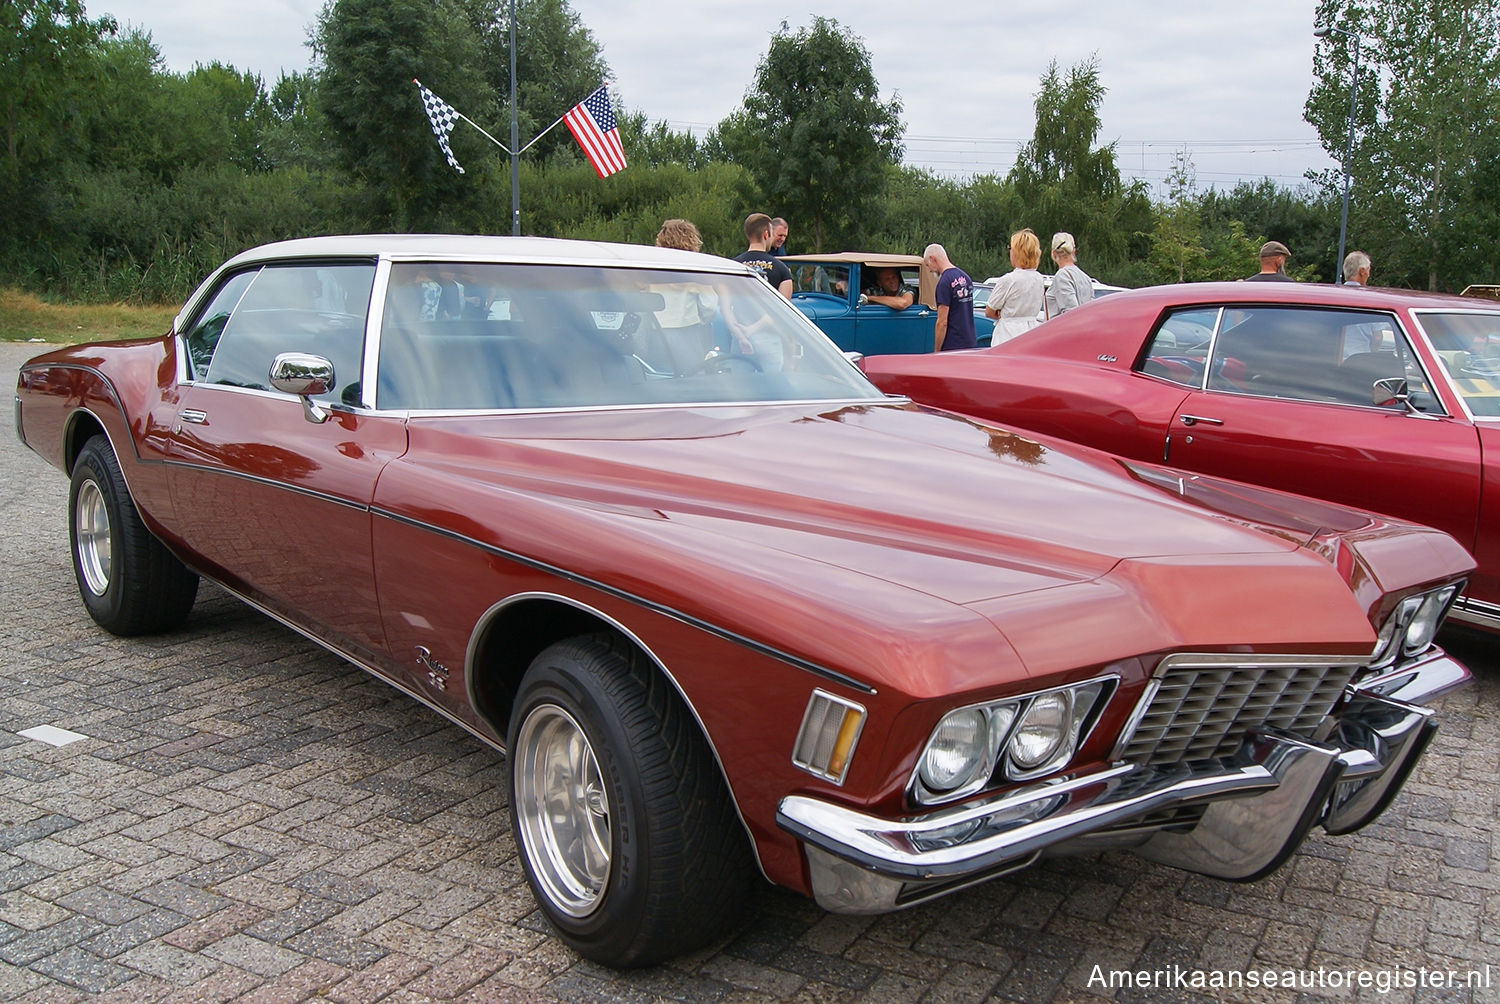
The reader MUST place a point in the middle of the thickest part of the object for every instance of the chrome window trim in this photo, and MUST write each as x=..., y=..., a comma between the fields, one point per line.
x=369, y=389
x=1215, y=660
x=203, y=294
x=1398, y=327
x=831, y=403
x=1213, y=338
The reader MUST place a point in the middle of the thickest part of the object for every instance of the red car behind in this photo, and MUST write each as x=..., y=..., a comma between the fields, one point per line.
x=1385, y=400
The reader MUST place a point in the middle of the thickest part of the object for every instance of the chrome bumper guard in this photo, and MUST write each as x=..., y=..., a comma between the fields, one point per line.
x=1258, y=806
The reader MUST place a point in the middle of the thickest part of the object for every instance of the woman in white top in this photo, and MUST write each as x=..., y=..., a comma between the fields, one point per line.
x=1017, y=298
x=687, y=313
x=1071, y=285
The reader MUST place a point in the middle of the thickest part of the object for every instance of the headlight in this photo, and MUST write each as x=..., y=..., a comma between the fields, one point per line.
x=1033, y=734
x=1410, y=628
x=1042, y=730
x=1424, y=624
x=958, y=747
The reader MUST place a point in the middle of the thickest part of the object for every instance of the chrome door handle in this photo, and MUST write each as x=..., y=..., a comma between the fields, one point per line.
x=194, y=416
x=1191, y=420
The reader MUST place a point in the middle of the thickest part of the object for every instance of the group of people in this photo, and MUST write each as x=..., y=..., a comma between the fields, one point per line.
x=1020, y=300
x=1273, y=256
x=1023, y=296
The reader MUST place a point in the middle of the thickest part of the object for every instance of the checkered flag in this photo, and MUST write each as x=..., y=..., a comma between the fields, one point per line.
x=442, y=116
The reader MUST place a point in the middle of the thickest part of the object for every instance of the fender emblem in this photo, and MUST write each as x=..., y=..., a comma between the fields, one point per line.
x=437, y=673
x=1106, y=358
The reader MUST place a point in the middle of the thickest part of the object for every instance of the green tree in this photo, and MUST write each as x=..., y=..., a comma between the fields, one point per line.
x=1303, y=218
x=293, y=134
x=1177, y=250
x=1065, y=182
x=1425, y=142
x=369, y=51
x=41, y=41
x=814, y=133
x=44, y=47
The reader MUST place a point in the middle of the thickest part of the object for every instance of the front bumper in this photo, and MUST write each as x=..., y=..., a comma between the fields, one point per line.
x=1258, y=806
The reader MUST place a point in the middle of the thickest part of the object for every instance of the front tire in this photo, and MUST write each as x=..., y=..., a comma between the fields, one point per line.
x=626, y=831
x=130, y=583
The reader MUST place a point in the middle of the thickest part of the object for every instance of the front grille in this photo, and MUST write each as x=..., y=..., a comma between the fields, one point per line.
x=1204, y=707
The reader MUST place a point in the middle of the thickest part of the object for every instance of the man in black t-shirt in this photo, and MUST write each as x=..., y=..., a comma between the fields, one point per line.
x=775, y=272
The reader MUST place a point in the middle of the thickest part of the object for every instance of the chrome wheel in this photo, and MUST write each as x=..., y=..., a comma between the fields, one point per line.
x=563, y=810
x=91, y=534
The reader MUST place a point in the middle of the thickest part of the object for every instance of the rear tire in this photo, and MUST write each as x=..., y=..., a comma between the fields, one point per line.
x=627, y=834
x=130, y=583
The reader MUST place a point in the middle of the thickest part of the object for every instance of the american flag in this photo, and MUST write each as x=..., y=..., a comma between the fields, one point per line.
x=592, y=123
x=442, y=116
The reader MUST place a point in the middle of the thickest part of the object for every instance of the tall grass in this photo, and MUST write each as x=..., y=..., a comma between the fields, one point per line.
x=28, y=317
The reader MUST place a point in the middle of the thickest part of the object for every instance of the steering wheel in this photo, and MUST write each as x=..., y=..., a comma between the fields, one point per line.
x=723, y=362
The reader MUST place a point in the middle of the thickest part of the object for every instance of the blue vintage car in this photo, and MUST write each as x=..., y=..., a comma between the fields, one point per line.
x=984, y=327
x=827, y=288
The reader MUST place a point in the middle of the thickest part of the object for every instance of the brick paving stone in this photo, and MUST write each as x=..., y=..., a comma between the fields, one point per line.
x=38, y=944
x=252, y=819
x=254, y=955
x=165, y=962
x=200, y=933
x=453, y=976
x=83, y=970
x=324, y=943
x=140, y=930
x=374, y=982
x=308, y=912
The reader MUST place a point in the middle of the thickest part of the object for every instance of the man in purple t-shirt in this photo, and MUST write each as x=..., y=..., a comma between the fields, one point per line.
x=955, y=302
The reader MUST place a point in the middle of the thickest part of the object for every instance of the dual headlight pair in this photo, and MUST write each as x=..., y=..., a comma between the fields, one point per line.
x=1409, y=630
x=1024, y=737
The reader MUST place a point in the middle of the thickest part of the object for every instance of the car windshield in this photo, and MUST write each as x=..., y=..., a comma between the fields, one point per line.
x=1468, y=345
x=492, y=337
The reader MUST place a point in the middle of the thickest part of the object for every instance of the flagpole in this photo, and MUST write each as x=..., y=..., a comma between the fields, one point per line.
x=515, y=156
x=539, y=135
x=486, y=135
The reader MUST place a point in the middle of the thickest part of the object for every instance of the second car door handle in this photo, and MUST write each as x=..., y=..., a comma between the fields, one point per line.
x=1196, y=419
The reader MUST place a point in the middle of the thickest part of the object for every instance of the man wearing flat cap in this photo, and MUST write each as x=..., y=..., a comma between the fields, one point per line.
x=1273, y=256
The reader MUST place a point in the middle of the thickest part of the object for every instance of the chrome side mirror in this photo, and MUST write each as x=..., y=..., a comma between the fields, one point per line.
x=306, y=376
x=1389, y=391
x=856, y=358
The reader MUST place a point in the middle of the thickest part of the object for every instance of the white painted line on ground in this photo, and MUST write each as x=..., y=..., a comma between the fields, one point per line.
x=51, y=734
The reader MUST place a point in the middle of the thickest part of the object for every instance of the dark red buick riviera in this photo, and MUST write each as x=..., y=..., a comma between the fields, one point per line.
x=626, y=515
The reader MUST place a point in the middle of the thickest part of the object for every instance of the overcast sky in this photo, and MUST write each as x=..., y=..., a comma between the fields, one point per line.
x=1227, y=80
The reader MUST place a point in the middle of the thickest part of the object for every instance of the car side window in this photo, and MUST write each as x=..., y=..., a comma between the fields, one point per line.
x=314, y=308
x=203, y=337
x=1324, y=356
x=1179, y=349
x=824, y=278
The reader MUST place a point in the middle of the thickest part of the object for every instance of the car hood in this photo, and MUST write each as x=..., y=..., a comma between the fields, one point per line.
x=913, y=513
x=951, y=507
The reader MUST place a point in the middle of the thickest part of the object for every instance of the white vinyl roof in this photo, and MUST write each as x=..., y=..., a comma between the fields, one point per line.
x=457, y=247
